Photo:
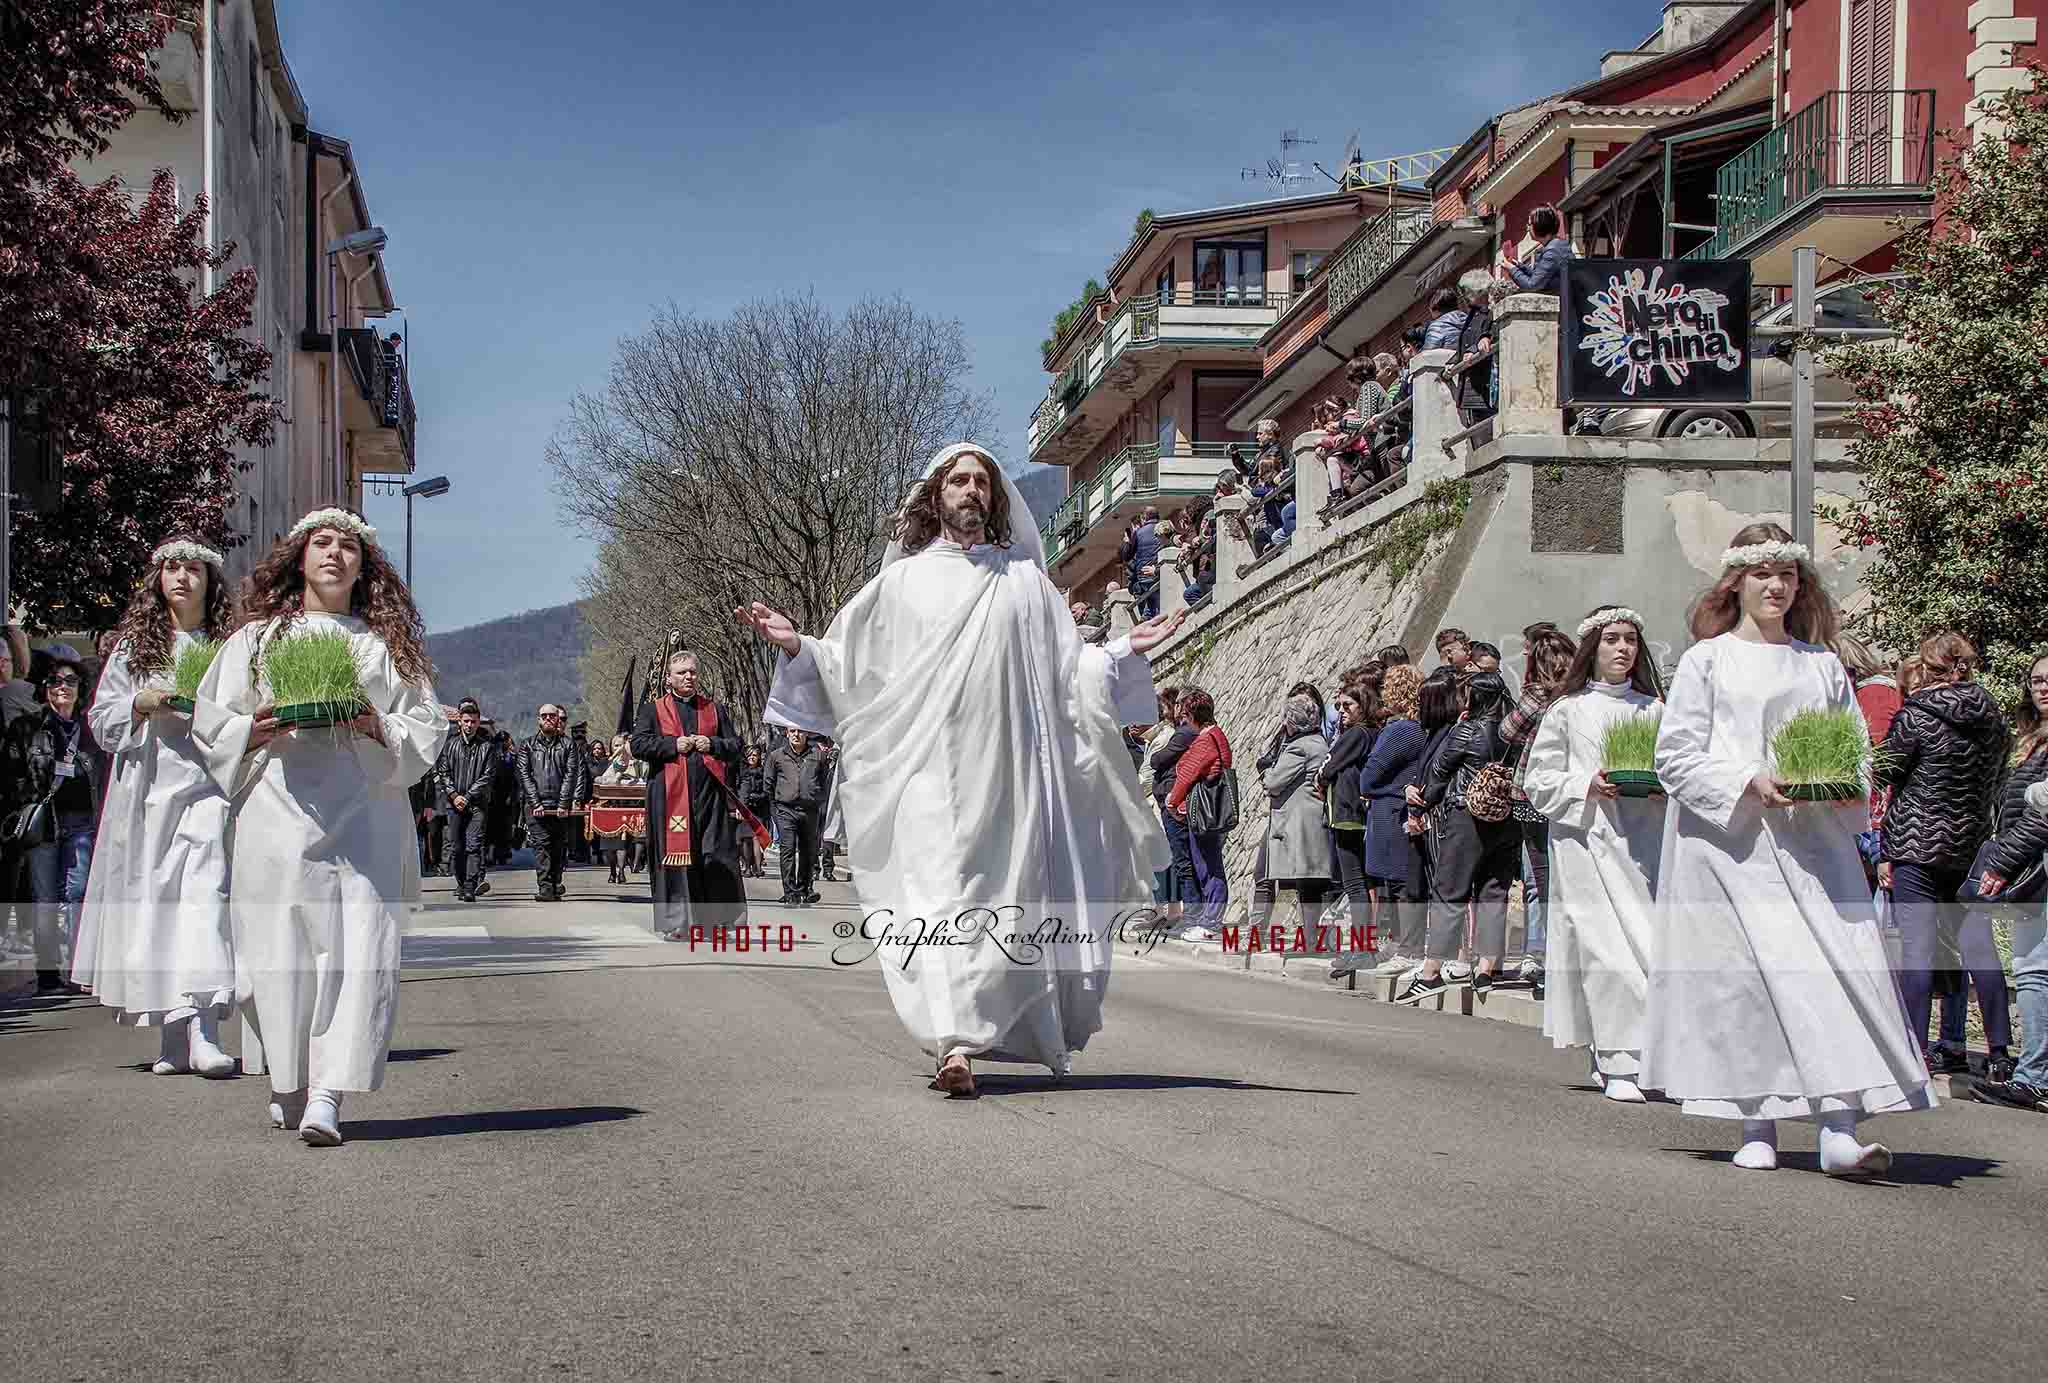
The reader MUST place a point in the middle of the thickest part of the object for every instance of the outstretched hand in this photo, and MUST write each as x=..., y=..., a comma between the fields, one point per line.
x=1157, y=630
x=771, y=625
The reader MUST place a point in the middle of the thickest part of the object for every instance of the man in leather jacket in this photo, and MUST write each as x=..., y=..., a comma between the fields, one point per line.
x=555, y=775
x=465, y=776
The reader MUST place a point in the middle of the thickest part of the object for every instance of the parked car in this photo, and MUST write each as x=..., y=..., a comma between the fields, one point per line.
x=1836, y=305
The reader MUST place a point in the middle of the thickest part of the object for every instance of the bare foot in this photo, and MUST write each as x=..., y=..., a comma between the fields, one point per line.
x=956, y=1076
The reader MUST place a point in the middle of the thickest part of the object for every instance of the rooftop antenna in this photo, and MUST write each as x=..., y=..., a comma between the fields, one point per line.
x=1286, y=170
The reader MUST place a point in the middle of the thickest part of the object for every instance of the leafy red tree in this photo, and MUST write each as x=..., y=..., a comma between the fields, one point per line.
x=144, y=385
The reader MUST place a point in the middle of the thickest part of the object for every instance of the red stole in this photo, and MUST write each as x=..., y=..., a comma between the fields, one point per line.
x=675, y=776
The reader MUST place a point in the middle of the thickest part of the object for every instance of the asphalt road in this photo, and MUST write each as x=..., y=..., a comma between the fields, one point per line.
x=597, y=1155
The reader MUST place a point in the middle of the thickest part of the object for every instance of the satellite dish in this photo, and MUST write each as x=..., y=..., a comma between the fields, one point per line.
x=1351, y=149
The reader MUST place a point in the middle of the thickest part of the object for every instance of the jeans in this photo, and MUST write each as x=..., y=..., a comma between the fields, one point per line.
x=1286, y=530
x=1211, y=884
x=57, y=871
x=1923, y=901
x=1536, y=887
x=549, y=837
x=2030, y=980
x=797, y=824
x=464, y=861
x=1183, y=888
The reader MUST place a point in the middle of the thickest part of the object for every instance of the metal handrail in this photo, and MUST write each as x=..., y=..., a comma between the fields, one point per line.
x=1372, y=250
x=1471, y=434
x=1842, y=139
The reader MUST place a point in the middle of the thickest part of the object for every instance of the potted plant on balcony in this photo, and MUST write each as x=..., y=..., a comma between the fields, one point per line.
x=189, y=671
x=315, y=680
x=1822, y=755
x=1628, y=753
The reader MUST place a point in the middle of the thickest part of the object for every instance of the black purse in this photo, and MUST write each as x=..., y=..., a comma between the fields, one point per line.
x=28, y=825
x=2028, y=886
x=1212, y=804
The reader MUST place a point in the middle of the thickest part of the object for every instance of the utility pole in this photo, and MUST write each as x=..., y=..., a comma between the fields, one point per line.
x=1803, y=262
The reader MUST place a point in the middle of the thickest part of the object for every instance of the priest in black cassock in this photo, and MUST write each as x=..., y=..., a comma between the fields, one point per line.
x=693, y=851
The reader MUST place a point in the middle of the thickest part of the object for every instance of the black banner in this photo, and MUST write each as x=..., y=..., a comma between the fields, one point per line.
x=1654, y=331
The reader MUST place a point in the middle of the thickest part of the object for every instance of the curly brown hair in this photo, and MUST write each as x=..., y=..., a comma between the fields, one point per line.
x=277, y=590
x=919, y=524
x=147, y=627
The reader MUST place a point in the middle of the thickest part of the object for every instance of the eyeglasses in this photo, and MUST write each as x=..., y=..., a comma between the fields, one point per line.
x=66, y=680
x=2037, y=681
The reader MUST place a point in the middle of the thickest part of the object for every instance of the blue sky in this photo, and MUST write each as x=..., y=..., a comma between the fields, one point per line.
x=550, y=173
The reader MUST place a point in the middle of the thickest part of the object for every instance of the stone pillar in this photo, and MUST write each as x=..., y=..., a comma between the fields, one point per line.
x=1311, y=489
x=1233, y=548
x=1436, y=417
x=1991, y=66
x=1120, y=613
x=1525, y=363
x=1173, y=582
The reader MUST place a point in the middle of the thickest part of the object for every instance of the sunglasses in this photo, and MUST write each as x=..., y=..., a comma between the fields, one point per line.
x=67, y=680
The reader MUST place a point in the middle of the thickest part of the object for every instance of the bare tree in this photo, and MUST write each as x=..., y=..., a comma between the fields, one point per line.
x=759, y=457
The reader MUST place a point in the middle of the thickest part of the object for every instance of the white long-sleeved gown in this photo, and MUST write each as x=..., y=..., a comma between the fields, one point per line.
x=1603, y=870
x=154, y=940
x=325, y=861
x=1770, y=993
x=982, y=767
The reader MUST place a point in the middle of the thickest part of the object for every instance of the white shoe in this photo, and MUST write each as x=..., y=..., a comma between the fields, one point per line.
x=203, y=1054
x=287, y=1107
x=1623, y=1091
x=321, y=1127
x=1530, y=970
x=1197, y=934
x=1455, y=970
x=176, y=1053
x=1395, y=964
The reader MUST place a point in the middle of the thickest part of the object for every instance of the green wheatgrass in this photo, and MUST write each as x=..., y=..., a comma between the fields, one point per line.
x=314, y=670
x=191, y=668
x=1630, y=744
x=1822, y=746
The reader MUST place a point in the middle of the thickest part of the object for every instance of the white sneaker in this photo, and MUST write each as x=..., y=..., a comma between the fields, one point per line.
x=1531, y=969
x=1455, y=970
x=1395, y=964
x=1196, y=933
x=203, y=1053
x=1624, y=1091
x=321, y=1127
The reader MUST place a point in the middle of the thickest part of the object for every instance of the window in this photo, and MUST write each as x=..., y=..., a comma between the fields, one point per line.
x=1214, y=393
x=1866, y=124
x=1231, y=271
x=1163, y=285
x=1306, y=262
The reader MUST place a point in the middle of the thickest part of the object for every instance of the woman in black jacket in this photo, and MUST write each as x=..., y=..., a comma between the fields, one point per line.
x=2021, y=841
x=1943, y=754
x=753, y=792
x=1473, y=861
x=1344, y=810
x=53, y=759
x=1392, y=856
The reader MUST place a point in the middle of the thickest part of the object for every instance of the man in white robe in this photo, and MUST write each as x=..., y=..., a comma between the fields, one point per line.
x=983, y=779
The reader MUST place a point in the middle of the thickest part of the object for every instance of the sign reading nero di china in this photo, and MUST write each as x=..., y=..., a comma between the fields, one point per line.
x=1654, y=331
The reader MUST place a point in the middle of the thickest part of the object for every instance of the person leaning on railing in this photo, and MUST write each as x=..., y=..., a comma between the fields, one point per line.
x=1473, y=365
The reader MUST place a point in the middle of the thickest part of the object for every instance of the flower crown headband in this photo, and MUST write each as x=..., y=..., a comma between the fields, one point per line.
x=335, y=518
x=185, y=550
x=1756, y=554
x=1611, y=614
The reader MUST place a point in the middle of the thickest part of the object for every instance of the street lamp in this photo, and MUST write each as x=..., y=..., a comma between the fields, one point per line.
x=426, y=489
x=370, y=242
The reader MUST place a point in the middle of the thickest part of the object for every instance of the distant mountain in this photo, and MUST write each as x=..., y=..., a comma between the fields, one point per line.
x=512, y=665
x=1043, y=487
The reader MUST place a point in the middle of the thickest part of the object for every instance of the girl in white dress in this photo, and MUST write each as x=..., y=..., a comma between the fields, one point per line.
x=1770, y=994
x=1603, y=854
x=325, y=860
x=153, y=937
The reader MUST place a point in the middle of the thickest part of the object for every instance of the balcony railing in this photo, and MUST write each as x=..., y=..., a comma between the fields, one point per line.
x=1844, y=141
x=1372, y=250
x=383, y=381
x=1136, y=472
x=1187, y=316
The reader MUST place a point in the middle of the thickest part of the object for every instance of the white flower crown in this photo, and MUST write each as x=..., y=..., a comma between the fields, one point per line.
x=1612, y=614
x=185, y=550
x=1756, y=554
x=335, y=518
